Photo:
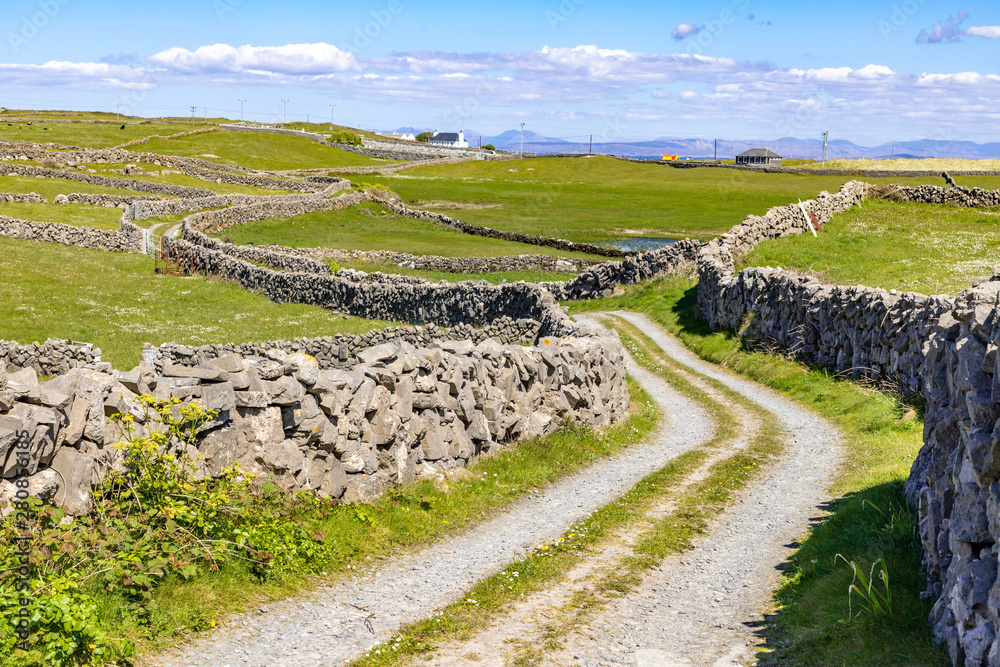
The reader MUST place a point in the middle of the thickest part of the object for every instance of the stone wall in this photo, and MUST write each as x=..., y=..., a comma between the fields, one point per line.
x=341, y=350
x=108, y=201
x=400, y=413
x=955, y=481
x=53, y=357
x=15, y=198
x=126, y=239
x=864, y=331
x=106, y=181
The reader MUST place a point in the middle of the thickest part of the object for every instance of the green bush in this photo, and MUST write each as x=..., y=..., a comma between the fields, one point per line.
x=424, y=137
x=155, y=520
x=489, y=147
x=345, y=137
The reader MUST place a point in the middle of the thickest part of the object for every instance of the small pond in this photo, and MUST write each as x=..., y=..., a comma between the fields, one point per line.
x=639, y=243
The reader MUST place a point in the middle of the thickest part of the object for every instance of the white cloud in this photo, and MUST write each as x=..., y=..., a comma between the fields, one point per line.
x=990, y=31
x=293, y=59
x=684, y=30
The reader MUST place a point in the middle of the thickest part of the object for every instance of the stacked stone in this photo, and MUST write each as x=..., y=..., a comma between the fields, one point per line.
x=341, y=351
x=956, y=196
x=14, y=198
x=401, y=412
x=111, y=182
x=53, y=357
x=107, y=201
x=123, y=240
x=955, y=481
x=601, y=280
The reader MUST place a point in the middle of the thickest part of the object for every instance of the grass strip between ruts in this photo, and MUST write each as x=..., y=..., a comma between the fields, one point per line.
x=868, y=520
x=549, y=563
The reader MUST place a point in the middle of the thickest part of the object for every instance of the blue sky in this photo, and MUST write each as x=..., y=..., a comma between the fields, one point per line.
x=867, y=71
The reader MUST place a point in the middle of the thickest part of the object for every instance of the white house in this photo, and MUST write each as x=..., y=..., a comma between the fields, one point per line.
x=449, y=139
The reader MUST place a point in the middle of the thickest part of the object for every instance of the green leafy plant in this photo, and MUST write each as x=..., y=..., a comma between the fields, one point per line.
x=874, y=602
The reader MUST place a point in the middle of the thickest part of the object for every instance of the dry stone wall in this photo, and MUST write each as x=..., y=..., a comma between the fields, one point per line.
x=53, y=357
x=15, y=198
x=106, y=181
x=126, y=239
x=401, y=412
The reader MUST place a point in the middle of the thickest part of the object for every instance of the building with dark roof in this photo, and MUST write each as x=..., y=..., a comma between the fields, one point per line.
x=453, y=139
x=759, y=156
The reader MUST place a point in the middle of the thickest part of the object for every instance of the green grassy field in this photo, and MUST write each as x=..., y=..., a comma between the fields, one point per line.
x=598, y=198
x=927, y=248
x=260, y=150
x=370, y=227
x=117, y=302
x=79, y=215
x=85, y=135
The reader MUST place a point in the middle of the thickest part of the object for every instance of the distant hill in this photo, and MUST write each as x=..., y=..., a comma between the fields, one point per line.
x=790, y=147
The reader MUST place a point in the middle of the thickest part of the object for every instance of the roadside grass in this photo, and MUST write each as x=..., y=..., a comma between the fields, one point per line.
x=599, y=198
x=78, y=215
x=868, y=519
x=117, y=302
x=369, y=226
x=927, y=248
x=84, y=135
x=359, y=536
x=260, y=150
x=695, y=505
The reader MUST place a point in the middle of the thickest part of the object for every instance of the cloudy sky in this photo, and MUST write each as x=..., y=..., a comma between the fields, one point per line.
x=866, y=70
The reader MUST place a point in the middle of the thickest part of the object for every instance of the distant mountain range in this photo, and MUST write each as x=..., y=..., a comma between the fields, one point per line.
x=790, y=147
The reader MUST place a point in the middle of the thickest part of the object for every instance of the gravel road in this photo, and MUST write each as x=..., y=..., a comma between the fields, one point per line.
x=328, y=627
x=701, y=608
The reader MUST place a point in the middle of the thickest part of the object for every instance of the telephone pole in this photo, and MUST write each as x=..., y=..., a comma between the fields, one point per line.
x=716, y=149
x=194, y=110
x=826, y=136
x=285, y=122
x=521, y=152
x=241, y=109
x=590, y=151
x=332, y=107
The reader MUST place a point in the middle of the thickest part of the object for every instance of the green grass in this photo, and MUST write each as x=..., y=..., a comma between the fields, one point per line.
x=117, y=302
x=370, y=227
x=85, y=135
x=597, y=198
x=868, y=519
x=260, y=150
x=79, y=215
x=927, y=248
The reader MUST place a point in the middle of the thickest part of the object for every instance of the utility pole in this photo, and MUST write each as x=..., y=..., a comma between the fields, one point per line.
x=206, y=115
x=716, y=149
x=590, y=151
x=826, y=135
x=332, y=107
x=307, y=121
x=241, y=109
x=893, y=156
x=194, y=110
x=521, y=152
x=118, y=111
x=732, y=150
x=285, y=122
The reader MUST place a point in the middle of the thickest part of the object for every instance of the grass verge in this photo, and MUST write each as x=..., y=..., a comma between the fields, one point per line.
x=868, y=520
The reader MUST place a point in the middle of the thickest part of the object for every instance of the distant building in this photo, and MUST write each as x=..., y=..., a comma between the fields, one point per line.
x=452, y=139
x=396, y=135
x=759, y=156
